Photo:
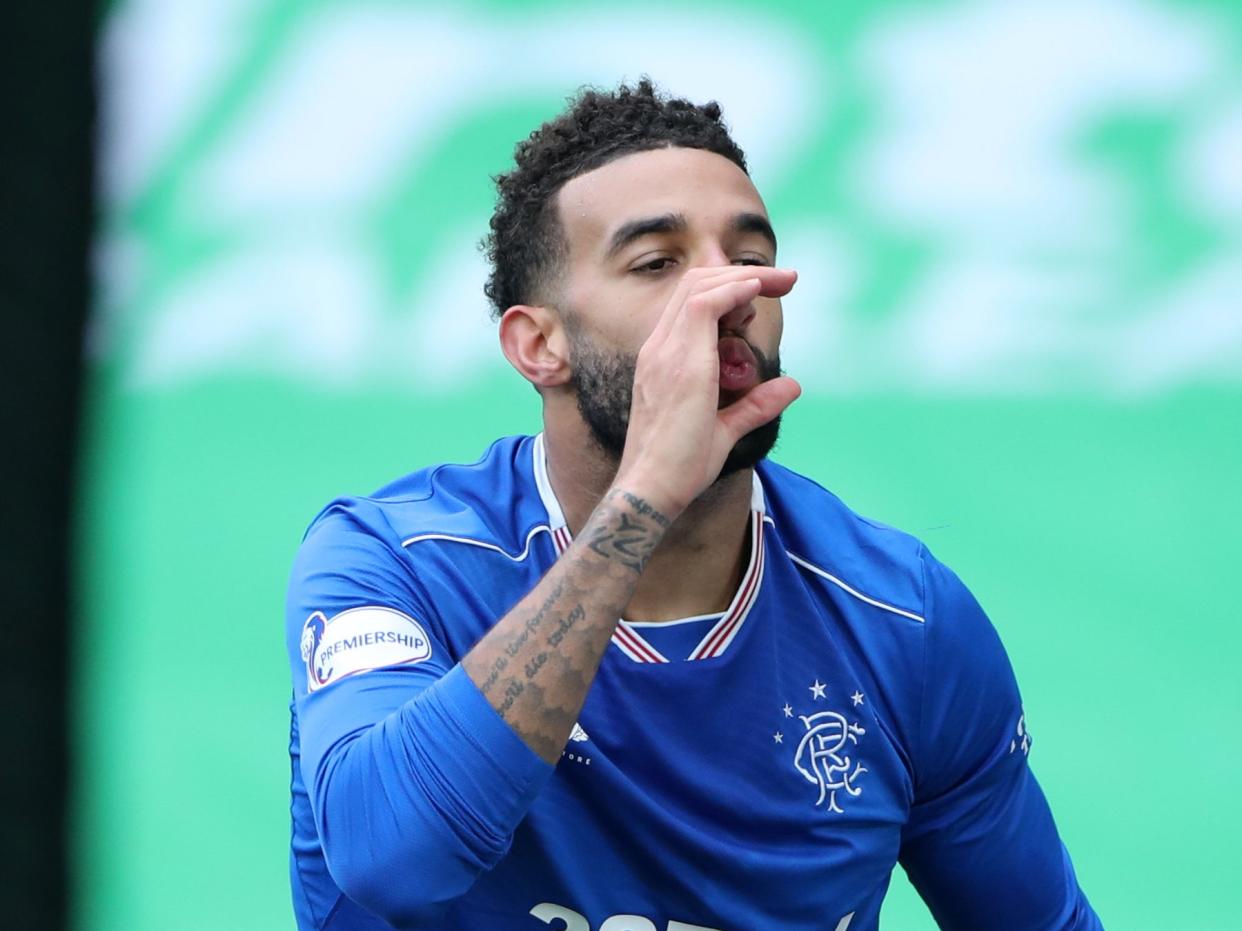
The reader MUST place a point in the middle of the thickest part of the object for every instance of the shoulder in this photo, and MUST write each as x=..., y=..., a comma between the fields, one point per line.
x=490, y=501
x=401, y=546
x=826, y=539
x=887, y=570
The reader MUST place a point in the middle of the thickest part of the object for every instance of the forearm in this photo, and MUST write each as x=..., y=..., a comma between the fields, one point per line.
x=537, y=664
x=439, y=780
x=431, y=794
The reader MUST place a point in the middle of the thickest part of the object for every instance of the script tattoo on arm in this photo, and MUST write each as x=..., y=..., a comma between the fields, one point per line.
x=537, y=664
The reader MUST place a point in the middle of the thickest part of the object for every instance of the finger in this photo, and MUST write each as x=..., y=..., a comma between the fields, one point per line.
x=687, y=323
x=777, y=282
x=773, y=282
x=710, y=306
x=760, y=405
x=709, y=275
x=692, y=280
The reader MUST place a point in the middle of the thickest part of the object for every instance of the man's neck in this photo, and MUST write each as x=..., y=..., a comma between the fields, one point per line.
x=697, y=567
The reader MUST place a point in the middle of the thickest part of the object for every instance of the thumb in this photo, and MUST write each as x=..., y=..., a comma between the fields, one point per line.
x=758, y=406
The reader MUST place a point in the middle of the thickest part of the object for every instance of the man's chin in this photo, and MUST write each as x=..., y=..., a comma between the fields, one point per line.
x=751, y=449
x=746, y=453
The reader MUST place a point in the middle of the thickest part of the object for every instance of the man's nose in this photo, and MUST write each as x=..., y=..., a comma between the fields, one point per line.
x=712, y=255
x=738, y=319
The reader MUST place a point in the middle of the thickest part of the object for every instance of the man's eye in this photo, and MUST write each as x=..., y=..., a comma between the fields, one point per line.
x=751, y=260
x=655, y=265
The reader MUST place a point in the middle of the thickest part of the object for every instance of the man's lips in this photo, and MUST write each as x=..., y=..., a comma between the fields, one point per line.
x=739, y=370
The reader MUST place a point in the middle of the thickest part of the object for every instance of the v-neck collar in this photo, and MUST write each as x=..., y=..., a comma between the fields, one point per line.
x=626, y=637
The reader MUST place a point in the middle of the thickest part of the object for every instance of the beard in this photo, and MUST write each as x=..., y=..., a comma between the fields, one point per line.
x=604, y=383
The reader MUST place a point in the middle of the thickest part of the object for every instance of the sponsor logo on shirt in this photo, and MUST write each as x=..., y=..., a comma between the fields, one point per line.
x=569, y=920
x=359, y=640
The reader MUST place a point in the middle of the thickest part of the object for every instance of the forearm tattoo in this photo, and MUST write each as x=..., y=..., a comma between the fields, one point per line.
x=628, y=531
x=536, y=665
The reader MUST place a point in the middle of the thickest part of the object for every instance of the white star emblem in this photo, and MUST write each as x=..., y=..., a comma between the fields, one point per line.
x=857, y=698
x=778, y=737
x=788, y=709
x=817, y=690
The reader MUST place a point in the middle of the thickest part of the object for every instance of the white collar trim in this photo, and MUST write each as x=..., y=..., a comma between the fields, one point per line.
x=626, y=637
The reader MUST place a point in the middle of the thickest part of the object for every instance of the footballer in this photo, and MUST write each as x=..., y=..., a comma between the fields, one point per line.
x=629, y=674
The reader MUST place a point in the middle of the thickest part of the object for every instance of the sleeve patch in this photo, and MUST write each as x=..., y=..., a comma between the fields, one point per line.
x=359, y=640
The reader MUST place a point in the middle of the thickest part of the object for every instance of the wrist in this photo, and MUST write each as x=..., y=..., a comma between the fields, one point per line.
x=645, y=506
x=645, y=501
x=625, y=529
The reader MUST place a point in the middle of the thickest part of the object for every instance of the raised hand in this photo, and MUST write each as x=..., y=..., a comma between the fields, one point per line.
x=678, y=434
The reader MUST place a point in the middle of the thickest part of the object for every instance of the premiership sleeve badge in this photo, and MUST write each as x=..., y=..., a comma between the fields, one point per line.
x=359, y=640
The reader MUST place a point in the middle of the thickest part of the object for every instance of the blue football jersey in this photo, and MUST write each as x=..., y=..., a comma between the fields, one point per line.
x=761, y=768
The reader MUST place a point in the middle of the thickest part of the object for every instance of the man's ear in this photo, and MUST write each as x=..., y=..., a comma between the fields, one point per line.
x=533, y=339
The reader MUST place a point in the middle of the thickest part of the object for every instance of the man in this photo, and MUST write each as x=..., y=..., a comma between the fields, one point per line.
x=628, y=674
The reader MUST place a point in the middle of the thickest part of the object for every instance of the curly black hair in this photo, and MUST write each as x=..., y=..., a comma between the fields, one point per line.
x=525, y=245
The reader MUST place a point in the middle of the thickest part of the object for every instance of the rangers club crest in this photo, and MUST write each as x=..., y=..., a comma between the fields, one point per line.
x=826, y=754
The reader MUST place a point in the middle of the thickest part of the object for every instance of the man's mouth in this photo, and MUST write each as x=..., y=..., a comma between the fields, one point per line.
x=739, y=369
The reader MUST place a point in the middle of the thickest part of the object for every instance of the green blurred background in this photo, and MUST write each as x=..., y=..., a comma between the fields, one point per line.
x=1019, y=323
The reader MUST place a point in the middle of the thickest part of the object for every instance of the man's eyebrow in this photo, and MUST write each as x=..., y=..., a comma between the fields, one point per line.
x=644, y=226
x=755, y=223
